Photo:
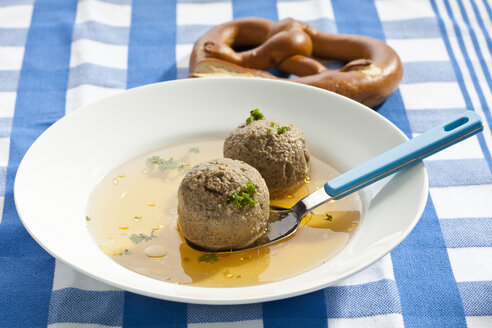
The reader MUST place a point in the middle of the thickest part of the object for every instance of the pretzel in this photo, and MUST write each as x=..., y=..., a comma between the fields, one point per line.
x=373, y=70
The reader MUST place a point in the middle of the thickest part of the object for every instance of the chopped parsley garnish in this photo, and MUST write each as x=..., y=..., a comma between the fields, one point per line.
x=280, y=129
x=138, y=238
x=329, y=217
x=166, y=163
x=87, y=218
x=209, y=258
x=256, y=115
x=126, y=252
x=194, y=150
x=244, y=197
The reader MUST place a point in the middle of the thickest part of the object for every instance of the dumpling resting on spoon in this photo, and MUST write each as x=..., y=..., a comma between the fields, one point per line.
x=277, y=150
x=223, y=204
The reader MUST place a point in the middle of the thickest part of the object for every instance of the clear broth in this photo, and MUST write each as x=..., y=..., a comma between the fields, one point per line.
x=132, y=216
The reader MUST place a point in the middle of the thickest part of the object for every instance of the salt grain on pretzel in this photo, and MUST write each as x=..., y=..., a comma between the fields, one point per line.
x=373, y=70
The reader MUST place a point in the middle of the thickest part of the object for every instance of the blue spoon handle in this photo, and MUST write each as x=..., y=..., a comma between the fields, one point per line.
x=408, y=153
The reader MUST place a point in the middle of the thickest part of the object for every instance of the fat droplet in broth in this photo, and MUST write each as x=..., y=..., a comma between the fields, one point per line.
x=108, y=251
x=245, y=256
x=155, y=251
x=160, y=226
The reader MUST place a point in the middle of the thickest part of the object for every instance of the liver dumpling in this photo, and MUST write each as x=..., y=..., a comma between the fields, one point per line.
x=223, y=204
x=277, y=150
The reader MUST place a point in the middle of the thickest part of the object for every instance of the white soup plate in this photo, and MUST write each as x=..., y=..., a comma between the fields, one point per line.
x=60, y=170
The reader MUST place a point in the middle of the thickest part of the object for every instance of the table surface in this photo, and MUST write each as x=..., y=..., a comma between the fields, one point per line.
x=56, y=56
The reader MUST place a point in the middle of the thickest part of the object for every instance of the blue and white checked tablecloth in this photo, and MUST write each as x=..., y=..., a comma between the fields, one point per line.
x=56, y=56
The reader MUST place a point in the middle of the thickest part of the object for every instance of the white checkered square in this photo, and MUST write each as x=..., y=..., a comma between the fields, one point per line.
x=85, y=94
x=235, y=324
x=7, y=104
x=4, y=151
x=78, y=325
x=412, y=50
x=463, y=201
x=203, y=13
x=432, y=95
x=15, y=16
x=183, y=52
x=11, y=58
x=468, y=263
x=66, y=277
x=391, y=320
x=479, y=322
x=382, y=269
x=103, y=12
x=88, y=51
x=466, y=149
x=2, y=200
x=393, y=10
x=305, y=10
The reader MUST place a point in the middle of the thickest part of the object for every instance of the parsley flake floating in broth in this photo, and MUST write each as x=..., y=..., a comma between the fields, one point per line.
x=165, y=164
x=194, y=150
x=126, y=252
x=138, y=238
x=208, y=258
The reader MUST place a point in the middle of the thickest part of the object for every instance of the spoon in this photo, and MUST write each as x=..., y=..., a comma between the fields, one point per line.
x=285, y=222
